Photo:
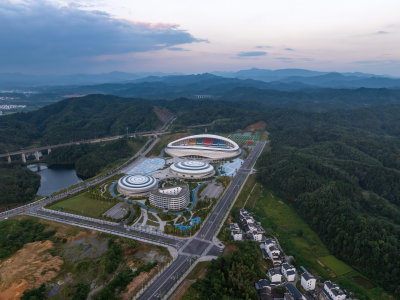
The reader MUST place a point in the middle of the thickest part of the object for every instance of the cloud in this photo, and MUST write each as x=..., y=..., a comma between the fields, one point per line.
x=381, y=32
x=289, y=49
x=177, y=49
x=376, y=62
x=252, y=53
x=263, y=47
x=284, y=59
x=36, y=34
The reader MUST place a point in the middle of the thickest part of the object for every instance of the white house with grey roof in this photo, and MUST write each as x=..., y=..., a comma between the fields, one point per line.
x=289, y=272
x=274, y=276
x=236, y=232
x=271, y=247
x=308, y=281
x=253, y=229
x=333, y=291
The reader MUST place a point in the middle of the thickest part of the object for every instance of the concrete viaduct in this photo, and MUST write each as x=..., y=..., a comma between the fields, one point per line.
x=24, y=152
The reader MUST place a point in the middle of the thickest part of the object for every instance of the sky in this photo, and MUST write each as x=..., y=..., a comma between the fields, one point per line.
x=192, y=36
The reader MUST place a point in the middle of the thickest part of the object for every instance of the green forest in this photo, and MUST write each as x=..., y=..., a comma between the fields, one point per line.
x=90, y=159
x=230, y=276
x=76, y=119
x=341, y=171
x=14, y=234
x=18, y=184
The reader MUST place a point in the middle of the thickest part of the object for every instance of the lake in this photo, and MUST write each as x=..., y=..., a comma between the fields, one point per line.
x=54, y=180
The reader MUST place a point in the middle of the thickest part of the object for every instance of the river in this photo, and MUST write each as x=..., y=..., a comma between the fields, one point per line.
x=54, y=180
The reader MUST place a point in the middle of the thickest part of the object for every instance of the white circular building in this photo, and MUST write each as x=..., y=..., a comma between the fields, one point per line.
x=170, y=198
x=192, y=169
x=209, y=146
x=136, y=185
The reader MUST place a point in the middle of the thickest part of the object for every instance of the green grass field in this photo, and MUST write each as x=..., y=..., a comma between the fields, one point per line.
x=299, y=240
x=336, y=265
x=83, y=205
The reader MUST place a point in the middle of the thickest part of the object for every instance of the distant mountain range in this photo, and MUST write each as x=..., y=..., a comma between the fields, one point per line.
x=19, y=80
x=314, y=79
x=283, y=79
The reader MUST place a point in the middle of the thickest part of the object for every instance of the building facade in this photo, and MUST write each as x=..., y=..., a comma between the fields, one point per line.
x=308, y=281
x=192, y=169
x=170, y=198
x=136, y=185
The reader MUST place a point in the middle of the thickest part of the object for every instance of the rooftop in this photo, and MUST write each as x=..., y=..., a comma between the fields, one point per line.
x=307, y=276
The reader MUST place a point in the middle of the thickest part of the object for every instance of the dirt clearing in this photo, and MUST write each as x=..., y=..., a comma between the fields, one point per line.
x=28, y=268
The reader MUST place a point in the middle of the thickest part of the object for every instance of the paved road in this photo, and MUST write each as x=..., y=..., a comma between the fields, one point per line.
x=188, y=249
x=116, y=228
x=85, y=185
x=201, y=244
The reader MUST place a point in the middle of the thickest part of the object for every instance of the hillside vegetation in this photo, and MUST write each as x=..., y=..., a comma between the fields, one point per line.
x=341, y=172
x=18, y=184
x=90, y=159
x=76, y=119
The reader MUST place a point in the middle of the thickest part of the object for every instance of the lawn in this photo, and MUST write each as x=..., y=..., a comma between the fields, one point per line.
x=83, y=205
x=337, y=266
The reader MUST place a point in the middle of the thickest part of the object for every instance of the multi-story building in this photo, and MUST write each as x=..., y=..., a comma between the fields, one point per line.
x=308, y=281
x=236, y=232
x=275, y=276
x=333, y=291
x=170, y=198
x=271, y=247
x=289, y=272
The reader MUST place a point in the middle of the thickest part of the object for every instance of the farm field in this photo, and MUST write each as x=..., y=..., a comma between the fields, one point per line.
x=336, y=265
x=83, y=205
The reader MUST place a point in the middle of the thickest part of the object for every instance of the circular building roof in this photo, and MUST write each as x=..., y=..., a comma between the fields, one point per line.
x=137, y=183
x=192, y=167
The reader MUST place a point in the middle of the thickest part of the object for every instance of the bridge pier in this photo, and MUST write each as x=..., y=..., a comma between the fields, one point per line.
x=23, y=157
x=49, y=151
x=37, y=155
x=9, y=159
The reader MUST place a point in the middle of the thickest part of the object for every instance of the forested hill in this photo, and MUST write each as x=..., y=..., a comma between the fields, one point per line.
x=76, y=119
x=341, y=171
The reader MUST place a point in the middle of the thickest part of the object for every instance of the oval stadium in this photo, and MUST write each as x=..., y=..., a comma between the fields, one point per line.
x=192, y=169
x=209, y=146
x=136, y=185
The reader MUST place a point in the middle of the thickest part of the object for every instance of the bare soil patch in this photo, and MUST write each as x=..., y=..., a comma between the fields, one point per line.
x=137, y=282
x=28, y=268
x=162, y=114
x=181, y=290
x=260, y=125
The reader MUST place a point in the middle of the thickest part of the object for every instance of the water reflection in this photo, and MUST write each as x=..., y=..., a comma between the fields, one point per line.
x=53, y=180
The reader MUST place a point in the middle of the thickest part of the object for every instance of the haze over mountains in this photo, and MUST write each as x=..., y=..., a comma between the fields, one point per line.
x=296, y=88
x=284, y=79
